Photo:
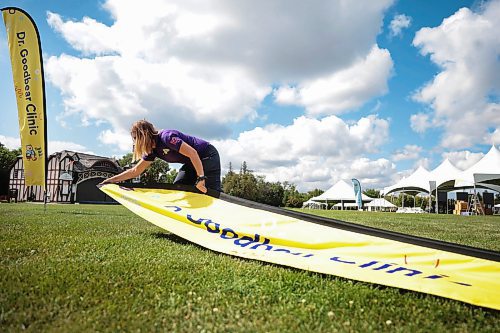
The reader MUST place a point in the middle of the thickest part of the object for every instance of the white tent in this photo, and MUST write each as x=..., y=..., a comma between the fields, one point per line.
x=346, y=205
x=445, y=174
x=485, y=173
x=341, y=191
x=311, y=204
x=489, y=180
x=418, y=181
x=381, y=204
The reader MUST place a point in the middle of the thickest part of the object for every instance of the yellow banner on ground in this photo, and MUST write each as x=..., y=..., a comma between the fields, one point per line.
x=224, y=226
x=27, y=71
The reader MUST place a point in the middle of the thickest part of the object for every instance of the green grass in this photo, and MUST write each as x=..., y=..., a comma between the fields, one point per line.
x=101, y=268
x=476, y=231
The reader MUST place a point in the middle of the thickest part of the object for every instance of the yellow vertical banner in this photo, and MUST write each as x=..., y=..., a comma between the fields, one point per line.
x=29, y=86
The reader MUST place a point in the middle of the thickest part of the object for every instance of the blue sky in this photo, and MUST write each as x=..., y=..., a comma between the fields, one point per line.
x=309, y=94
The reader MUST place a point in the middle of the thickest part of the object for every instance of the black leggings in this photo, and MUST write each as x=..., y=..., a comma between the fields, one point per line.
x=211, y=167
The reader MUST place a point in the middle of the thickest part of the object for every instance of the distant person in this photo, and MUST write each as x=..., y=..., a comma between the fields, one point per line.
x=201, y=162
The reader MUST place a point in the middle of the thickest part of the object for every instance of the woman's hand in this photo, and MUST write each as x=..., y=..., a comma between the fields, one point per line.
x=106, y=181
x=200, y=185
x=128, y=174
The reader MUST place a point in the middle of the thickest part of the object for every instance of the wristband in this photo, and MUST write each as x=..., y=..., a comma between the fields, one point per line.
x=200, y=178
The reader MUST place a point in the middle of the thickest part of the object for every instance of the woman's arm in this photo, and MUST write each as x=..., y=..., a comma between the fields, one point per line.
x=190, y=152
x=137, y=170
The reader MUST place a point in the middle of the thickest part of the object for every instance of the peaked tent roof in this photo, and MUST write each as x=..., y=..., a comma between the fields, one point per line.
x=487, y=170
x=445, y=174
x=417, y=181
x=339, y=192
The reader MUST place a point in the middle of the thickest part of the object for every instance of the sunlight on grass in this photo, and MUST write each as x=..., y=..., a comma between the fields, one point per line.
x=102, y=268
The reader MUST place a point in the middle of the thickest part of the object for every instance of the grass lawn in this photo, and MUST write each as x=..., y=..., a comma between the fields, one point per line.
x=102, y=268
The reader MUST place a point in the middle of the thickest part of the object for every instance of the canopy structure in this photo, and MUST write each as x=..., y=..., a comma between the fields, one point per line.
x=485, y=173
x=345, y=205
x=381, y=204
x=489, y=180
x=444, y=175
x=311, y=204
x=418, y=181
x=341, y=191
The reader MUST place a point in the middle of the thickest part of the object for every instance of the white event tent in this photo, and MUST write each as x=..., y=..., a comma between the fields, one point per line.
x=311, y=204
x=341, y=191
x=485, y=173
x=444, y=175
x=381, y=204
x=418, y=181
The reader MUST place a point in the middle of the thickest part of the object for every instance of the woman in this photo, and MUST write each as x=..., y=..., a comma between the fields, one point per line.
x=201, y=162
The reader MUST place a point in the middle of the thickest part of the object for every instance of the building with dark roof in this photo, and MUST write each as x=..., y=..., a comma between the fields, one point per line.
x=71, y=177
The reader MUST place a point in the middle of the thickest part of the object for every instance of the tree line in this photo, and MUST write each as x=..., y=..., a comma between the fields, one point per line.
x=244, y=184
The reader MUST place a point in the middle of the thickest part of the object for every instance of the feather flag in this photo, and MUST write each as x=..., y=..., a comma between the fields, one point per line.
x=29, y=87
x=357, y=193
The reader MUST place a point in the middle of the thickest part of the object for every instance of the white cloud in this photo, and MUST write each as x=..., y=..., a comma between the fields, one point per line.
x=310, y=152
x=88, y=36
x=202, y=66
x=409, y=152
x=187, y=64
x=343, y=90
x=495, y=136
x=287, y=95
x=463, y=159
x=422, y=162
x=120, y=90
x=398, y=23
x=10, y=142
x=370, y=173
x=464, y=95
x=420, y=122
x=52, y=146
x=122, y=139
x=57, y=146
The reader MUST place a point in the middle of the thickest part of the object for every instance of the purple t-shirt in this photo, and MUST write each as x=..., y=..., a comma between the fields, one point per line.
x=168, y=143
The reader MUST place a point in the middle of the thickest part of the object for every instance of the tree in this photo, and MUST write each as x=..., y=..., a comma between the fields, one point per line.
x=126, y=160
x=372, y=193
x=314, y=193
x=230, y=183
x=230, y=172
x=269, y=193
x=158, y=172
x=245, y=184
x=248, y=186
x=410, y=200
x=244, y=169
x=242, y=185
x=8, y=157
x=292, y=197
